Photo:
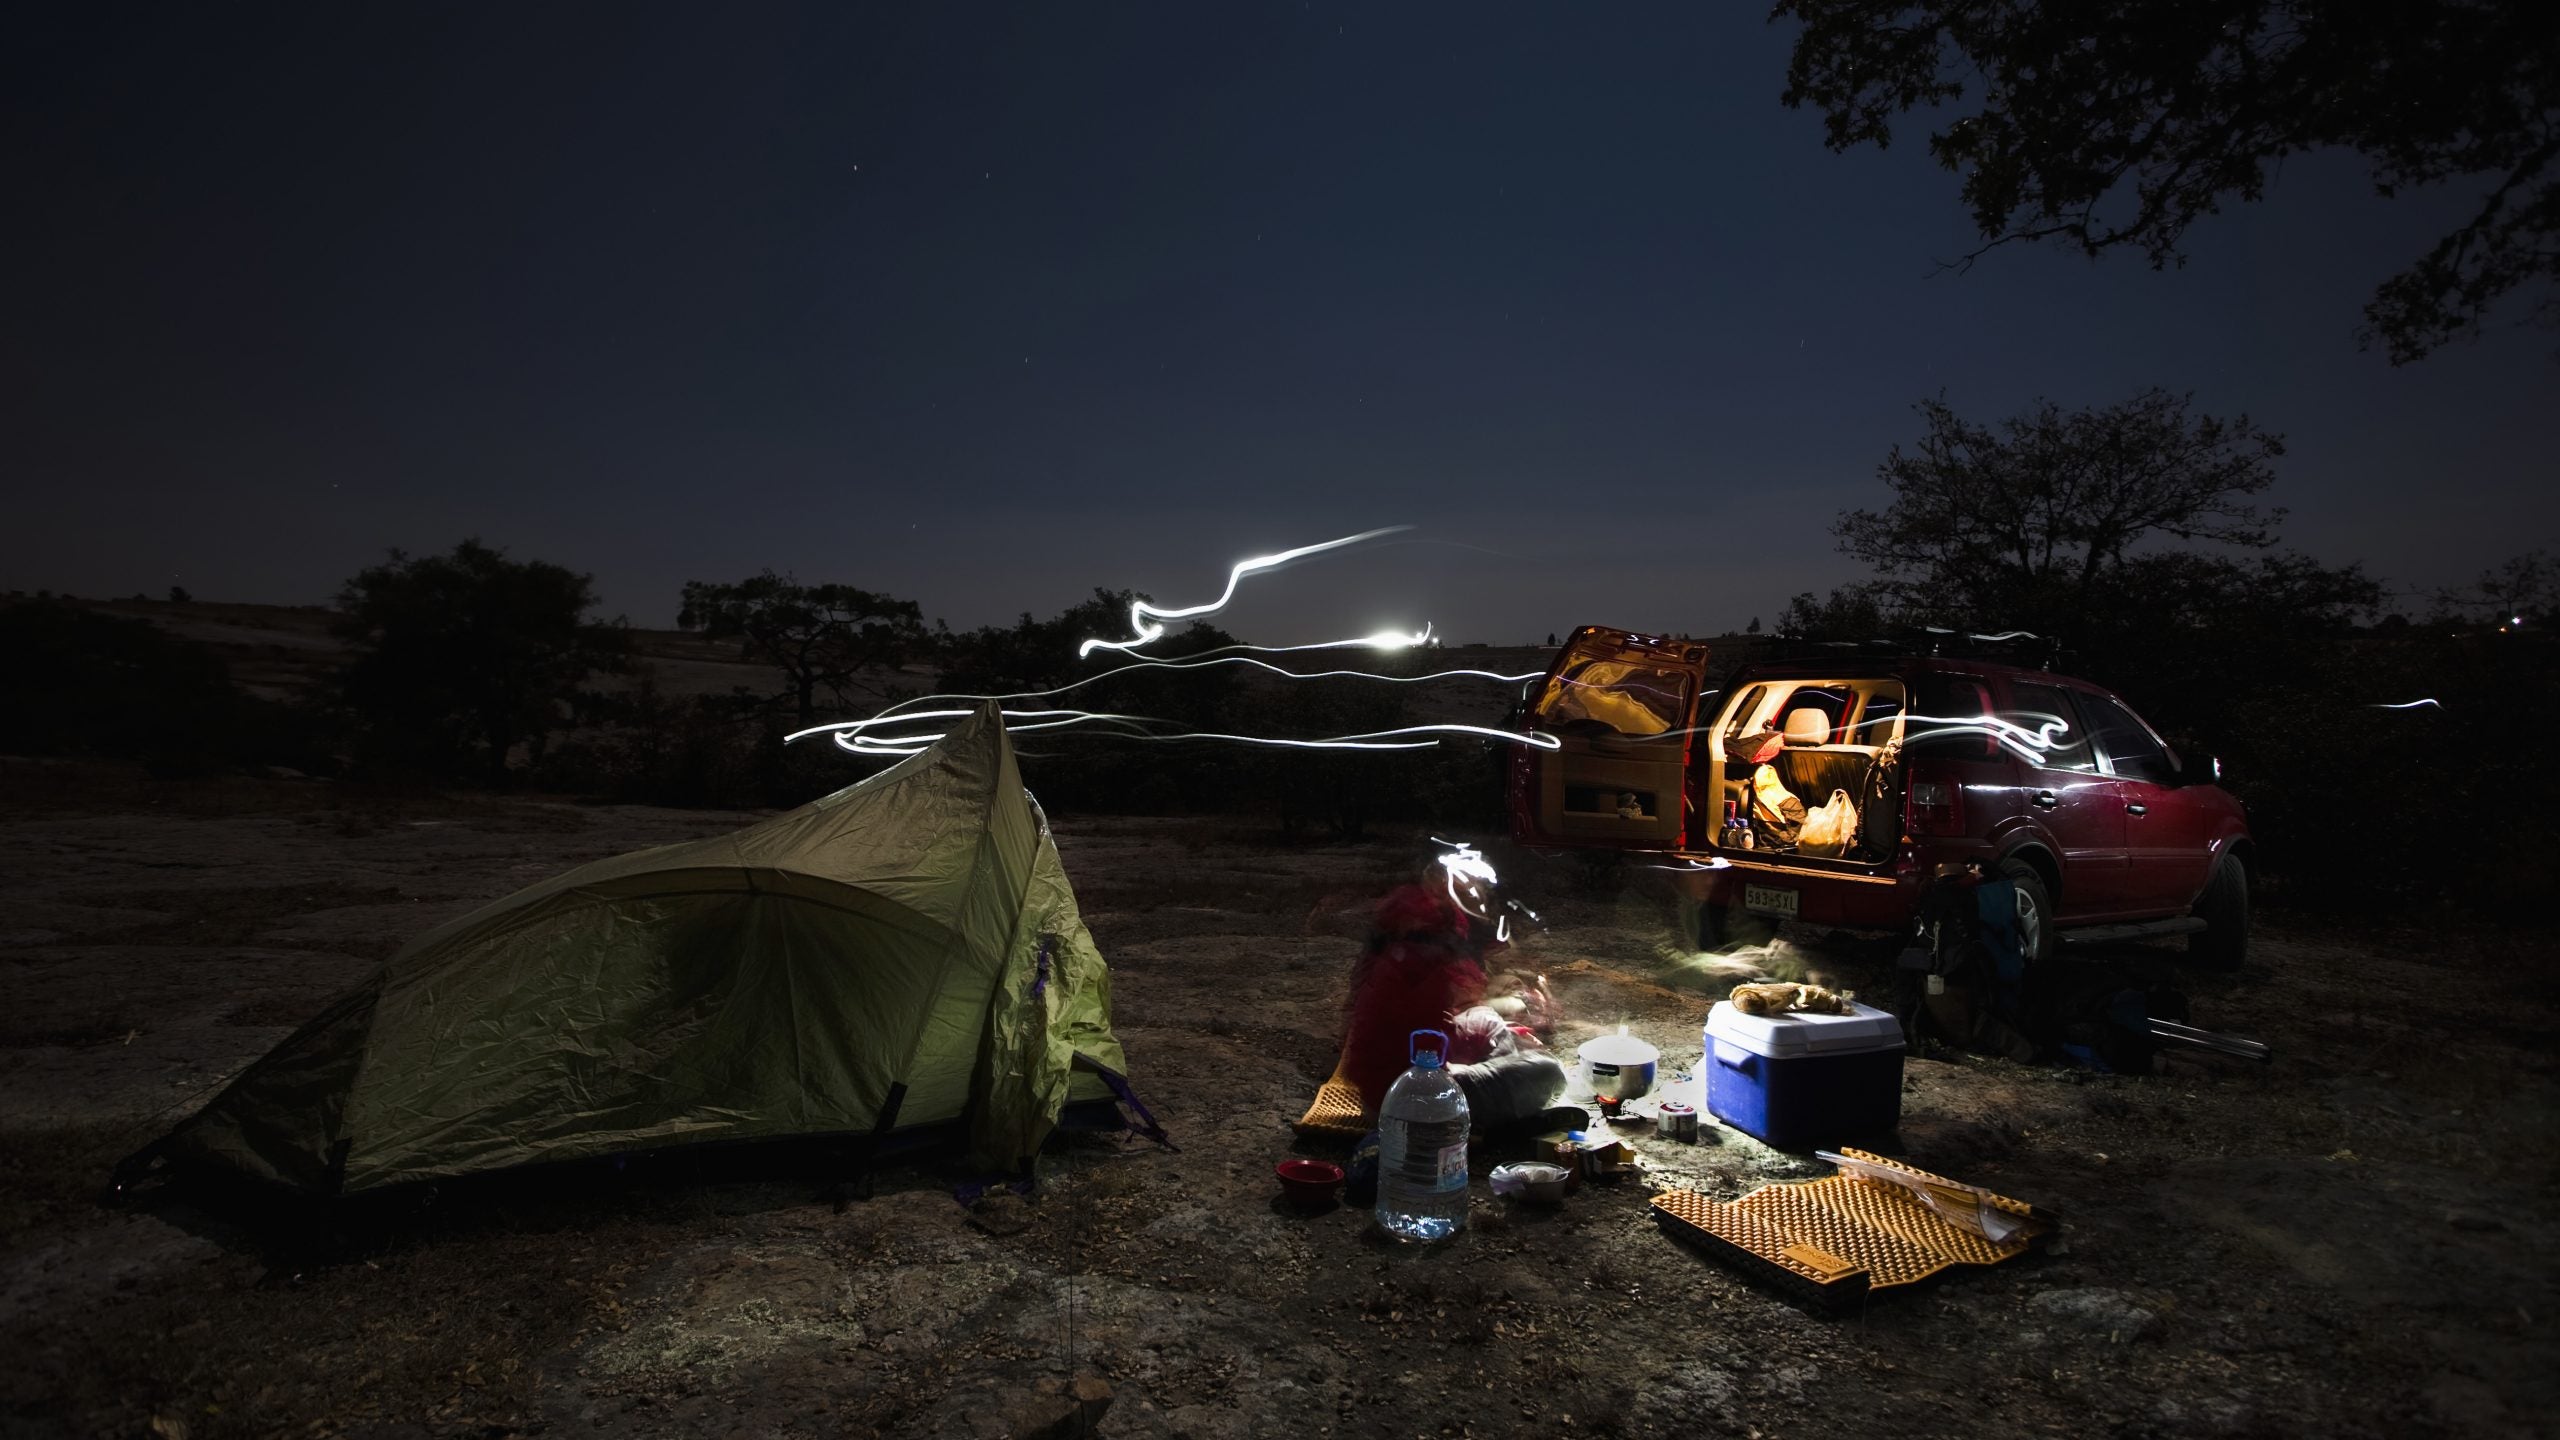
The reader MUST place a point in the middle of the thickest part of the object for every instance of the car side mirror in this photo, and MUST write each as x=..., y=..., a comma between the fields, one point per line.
x=2198, y=768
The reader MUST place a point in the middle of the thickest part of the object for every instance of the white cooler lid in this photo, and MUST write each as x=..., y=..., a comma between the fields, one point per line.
x=1799, y=1033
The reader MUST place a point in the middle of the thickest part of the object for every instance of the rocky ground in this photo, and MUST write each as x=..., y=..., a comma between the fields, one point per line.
x=2354, y=1240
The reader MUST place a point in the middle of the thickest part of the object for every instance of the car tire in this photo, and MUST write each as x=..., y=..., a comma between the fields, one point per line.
x=2035, y=910
x=2223, y=944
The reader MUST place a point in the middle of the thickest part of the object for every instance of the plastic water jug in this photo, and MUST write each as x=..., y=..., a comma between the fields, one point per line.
x=1422, y=1147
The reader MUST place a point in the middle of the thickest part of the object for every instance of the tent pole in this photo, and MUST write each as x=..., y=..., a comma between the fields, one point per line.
x=856, y=1181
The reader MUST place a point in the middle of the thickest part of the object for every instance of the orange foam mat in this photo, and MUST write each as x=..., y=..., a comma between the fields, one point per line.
x=1337, y=1113
x=1842, y=1236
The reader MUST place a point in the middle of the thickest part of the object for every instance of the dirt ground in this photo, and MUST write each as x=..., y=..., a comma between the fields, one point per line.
x=2357, y=1239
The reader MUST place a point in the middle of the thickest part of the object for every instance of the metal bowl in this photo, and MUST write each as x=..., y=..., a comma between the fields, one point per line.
x=1532, y=1180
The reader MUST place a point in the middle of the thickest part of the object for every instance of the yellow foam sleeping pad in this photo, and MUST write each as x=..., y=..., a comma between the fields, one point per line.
x=1338, y=1112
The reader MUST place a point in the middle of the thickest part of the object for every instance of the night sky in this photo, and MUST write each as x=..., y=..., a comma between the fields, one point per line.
x=986, y=307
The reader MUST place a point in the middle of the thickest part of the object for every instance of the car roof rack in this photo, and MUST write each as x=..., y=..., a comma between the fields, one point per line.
x=2023, y=648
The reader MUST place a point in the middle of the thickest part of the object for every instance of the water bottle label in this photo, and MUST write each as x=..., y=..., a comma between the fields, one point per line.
x=1453, y=1167
x=1435, y=1155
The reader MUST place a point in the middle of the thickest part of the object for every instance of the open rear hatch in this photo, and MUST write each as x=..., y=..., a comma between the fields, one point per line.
x=1621, y=709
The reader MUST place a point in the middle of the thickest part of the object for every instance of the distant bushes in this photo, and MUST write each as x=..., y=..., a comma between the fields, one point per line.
x=2363, y=798
x=82, y=683
x=462, y=659
x=710, y=751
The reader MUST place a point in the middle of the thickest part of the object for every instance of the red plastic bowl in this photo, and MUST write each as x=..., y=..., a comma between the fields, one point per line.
x=1309, y=1184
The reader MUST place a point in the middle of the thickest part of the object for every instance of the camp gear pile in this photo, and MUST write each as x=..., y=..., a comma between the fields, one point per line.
x=1967, y=982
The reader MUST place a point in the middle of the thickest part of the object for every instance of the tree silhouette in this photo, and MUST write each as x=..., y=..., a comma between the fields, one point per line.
x=2121, y=124
x=469, y=652
x=818, y=636
x=2032, y=516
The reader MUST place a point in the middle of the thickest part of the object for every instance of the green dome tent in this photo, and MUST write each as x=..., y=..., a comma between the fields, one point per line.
x=903, y=953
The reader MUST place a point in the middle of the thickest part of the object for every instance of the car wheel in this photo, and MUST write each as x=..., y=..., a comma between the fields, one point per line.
x=2035, y=909
x=2224, y=908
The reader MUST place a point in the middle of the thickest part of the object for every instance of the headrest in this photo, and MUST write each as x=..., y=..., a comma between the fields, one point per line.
x=1807, y=726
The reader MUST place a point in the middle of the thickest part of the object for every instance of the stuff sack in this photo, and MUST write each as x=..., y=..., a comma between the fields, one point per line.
x=1772, y=801
x=1775, y=811
x=1831, y=830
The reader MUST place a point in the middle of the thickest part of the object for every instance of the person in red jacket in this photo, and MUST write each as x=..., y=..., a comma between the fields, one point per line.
x=1424, y=968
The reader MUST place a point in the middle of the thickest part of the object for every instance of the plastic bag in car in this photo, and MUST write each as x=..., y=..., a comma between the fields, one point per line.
x=1830, y=830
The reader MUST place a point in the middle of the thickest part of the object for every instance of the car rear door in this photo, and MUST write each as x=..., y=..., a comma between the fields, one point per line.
x=2064, y=789
x=2168, y=834
x=1612, y=719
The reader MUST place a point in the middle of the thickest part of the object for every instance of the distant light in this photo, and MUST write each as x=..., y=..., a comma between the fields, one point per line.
x=1397, y=639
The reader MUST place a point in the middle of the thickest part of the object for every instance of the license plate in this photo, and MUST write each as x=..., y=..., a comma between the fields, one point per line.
x=1769, y=900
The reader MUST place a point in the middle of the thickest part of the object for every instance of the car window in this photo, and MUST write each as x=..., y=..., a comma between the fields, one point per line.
x=1948, y=718
x=1830, y=702
x=2132, y=750
x=1739, y=713
x=1629, y=698
x=1875, y=722
x=2043, y=727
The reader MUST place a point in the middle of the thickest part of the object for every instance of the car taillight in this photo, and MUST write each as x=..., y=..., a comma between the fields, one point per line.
x=1933, y=805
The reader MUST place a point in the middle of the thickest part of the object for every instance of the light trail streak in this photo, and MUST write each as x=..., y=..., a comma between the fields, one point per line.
x=2018, y=739
x=859, y=737
x=1378, y=739
x=2408, y=705
x=1207, y=659
x=849, y=735
x=856, y=727
x=1282, y=671
x=1216, y=657
x=2004, y=635
x=1474, y=888
x=1466, y=873
x=1142, y=615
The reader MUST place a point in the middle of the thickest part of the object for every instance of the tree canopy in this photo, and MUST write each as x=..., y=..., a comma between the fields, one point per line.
x=818, y=636
x=2521, y=592
x=2034, y=516
x=1032, y=655
x=2121, y=124
x=469, y=652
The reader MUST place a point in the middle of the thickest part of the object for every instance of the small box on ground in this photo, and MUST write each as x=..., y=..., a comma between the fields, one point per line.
x=1801, y=1081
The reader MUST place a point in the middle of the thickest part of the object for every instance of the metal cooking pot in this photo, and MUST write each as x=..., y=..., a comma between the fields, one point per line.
x=1619, y=1067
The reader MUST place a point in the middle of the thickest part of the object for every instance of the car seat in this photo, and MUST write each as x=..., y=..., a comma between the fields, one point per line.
x=1807, y=725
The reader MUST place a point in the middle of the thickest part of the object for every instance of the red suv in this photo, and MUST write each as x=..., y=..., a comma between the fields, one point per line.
x=1914, y=761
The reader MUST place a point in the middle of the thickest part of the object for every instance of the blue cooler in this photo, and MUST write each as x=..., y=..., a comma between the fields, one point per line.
x=1804, y=1082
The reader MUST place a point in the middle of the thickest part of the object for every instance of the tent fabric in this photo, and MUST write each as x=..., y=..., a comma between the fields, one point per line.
x=904, y=952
